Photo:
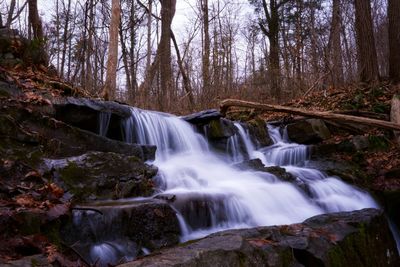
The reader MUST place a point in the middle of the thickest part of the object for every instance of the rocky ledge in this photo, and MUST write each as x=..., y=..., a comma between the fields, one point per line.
x=358, y=238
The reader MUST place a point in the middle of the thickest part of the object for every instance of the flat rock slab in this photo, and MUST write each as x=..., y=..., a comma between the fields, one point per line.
x=202, y=117
x=359, y=238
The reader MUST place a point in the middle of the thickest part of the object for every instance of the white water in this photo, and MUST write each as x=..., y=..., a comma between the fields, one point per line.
x=211, y=195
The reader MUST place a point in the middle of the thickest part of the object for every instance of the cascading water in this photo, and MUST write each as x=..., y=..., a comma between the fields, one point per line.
x=211, y=195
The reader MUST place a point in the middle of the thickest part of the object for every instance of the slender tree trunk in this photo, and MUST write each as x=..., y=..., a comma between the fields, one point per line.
x=112, y=61
x=65, y=40
x=336, y=48
x=394, y=39
x=167, y=14
x=367, y=57
x=10, y=14
x=206, y=47
x=35, y=21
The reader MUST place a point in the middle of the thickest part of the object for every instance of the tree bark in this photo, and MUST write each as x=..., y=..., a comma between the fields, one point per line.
x=394, y=39
x=336, y=47
x=367, y=57
x=339, y=118
x=35, y=21
x=167, y=14
x=395, y=114
x=112, y=61
x=206, y=48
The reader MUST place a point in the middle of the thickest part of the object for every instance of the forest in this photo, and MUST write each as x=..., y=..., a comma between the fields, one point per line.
x=199, y=133
x=274, y=51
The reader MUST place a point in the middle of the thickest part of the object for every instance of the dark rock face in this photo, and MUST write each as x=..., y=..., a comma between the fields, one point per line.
x=123, y=229
x=359, y=238
x=202, y=117
x=219, y=129
x=308, y=131
x=259, y=133
x=87, y=113
x=99, y=175
x=59, y=139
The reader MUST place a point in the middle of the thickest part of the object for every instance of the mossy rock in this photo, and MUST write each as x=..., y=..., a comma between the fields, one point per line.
x=259, y=133
x=98, y=175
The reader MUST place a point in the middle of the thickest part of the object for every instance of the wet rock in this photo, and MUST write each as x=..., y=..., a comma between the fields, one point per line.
x=219, y=129
x=86, y=114
x=99, y=175
x=121, y=228
x=257, y=165
x=308, y=131
x=259, y=133
x=62, y=140
x=202, y=117
x=349, y=171
x=359, y=238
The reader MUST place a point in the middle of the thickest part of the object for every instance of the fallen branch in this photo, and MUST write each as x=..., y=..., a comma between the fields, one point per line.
x=326, y=115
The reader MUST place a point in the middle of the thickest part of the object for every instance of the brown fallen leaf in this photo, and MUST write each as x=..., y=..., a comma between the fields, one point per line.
x=57, y=211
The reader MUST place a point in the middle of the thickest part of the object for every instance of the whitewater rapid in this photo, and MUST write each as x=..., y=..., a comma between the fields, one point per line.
x=212, y=195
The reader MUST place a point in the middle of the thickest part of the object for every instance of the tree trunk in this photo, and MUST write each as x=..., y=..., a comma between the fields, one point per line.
x=167, y=14
x=394, y=39
x=206, y=48
x=395, y=114
x=112, y=61
x=367, y=57
x=10, y=14
x=35, y=21
x=325, y=115
x=336, y=47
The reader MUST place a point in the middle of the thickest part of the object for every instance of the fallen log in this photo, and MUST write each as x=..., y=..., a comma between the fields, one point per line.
x=325, y=115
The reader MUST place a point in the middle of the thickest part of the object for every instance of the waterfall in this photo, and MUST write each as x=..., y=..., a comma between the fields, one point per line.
x=211, y=195
x=104, y=122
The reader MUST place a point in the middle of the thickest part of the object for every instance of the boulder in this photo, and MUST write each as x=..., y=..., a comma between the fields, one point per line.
x=358, y=238
x=202, y=117
x=88, y=114
x=259, y=133
x=219, y=129
x=59, y=139
x=102, y=175
x=308, y=131
x=111, y=231
x=257, y=165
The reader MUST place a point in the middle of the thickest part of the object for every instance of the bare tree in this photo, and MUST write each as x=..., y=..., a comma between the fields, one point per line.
x=112, y=61
x=335, y=46
x=366, y=51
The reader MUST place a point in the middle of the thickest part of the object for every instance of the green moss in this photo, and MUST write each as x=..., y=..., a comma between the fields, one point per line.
x=215, y=129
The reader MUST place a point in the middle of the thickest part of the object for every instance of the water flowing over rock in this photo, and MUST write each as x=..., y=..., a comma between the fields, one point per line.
x=200, y=180
x=202, y=117
x=359, y=238
x=117, y=231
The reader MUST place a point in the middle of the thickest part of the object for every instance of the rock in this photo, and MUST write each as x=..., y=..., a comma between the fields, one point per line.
x=393, y=174
x=7, y=89
x=259, y=133
x=359, y=238
x=121, y=228
x=202, y=117
x=60, y=140
x=219, y=129
x=308, y=131
x=38, y=260
x=100, y=175
x=86, y=114
x=257, y=165
x=360, y=142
